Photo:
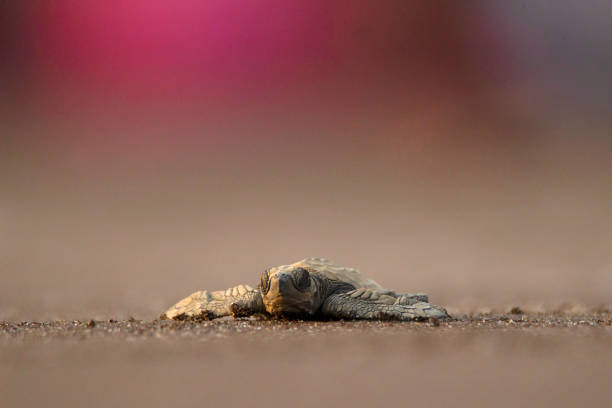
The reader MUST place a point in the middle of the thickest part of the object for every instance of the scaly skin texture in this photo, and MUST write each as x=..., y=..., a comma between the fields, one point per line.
x=344, y=306
x=241, y=300
x=310, y=288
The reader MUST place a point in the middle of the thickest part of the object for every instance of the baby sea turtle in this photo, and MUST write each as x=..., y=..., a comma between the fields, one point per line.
x=311, y=288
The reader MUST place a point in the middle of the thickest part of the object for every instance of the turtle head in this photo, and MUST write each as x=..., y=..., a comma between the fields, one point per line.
x=291, y=291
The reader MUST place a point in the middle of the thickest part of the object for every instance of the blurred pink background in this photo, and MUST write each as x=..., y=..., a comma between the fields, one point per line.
x=150, y=149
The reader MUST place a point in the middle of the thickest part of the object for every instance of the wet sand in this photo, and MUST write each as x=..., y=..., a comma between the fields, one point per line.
x=556, y=360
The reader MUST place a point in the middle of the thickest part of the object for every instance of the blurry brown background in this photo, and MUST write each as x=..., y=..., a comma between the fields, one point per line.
x=148, y=151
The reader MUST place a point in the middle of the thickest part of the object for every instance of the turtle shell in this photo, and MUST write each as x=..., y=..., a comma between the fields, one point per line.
x=328, y=269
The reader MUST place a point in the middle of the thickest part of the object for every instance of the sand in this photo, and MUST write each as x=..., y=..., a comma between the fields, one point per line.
x=514, y=360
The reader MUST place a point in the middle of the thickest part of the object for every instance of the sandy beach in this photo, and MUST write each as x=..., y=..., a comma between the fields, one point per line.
x=149, y=150
x=484, y=360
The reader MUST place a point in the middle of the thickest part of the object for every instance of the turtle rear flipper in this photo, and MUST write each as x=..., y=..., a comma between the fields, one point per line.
x=239, y=301
x=411, y=298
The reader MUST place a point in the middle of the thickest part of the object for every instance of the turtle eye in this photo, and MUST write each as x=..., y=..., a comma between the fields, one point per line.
x=301, y=279
x=264, y=286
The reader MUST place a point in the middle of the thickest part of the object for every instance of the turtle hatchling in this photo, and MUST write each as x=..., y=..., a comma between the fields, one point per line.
x=312, y=288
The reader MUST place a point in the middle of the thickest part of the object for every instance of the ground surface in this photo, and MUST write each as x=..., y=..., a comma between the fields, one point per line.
x=484, y=360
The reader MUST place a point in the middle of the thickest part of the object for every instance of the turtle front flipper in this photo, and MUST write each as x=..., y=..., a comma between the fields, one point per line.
x=239, y=301
x=371, y=305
